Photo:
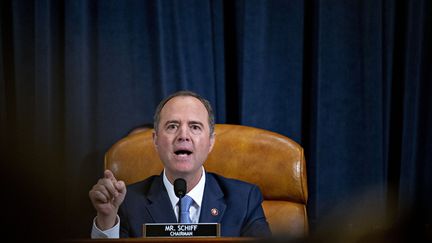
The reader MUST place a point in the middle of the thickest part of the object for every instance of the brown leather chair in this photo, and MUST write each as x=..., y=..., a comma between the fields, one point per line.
x=273, y=162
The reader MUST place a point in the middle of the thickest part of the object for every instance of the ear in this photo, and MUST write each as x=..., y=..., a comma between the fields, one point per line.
x=212, y=141
x=155, y=139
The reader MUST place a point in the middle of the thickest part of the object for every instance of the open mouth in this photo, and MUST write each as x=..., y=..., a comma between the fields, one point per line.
x=183, y=152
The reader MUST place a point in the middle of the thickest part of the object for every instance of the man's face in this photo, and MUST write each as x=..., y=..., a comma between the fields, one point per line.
x=183, y=138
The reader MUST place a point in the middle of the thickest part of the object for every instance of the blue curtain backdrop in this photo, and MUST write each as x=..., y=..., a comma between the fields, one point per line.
x=348, y=80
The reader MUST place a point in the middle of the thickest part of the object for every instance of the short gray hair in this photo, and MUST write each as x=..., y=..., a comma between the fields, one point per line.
x=206, y=103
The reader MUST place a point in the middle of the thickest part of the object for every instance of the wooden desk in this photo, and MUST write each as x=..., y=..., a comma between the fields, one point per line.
x=158, y=240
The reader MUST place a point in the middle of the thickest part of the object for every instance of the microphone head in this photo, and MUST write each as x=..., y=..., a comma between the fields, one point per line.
x=180, y=187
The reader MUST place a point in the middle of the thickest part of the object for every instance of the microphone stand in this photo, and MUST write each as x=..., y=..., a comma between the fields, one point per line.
x=179, y=212
x=180, y=190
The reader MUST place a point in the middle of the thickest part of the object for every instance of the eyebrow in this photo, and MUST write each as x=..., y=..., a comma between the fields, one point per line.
x=172, y=121
x=196, y=122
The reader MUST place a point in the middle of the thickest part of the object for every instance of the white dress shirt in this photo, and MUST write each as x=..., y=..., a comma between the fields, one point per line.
x=195, y=210
x=196, y=194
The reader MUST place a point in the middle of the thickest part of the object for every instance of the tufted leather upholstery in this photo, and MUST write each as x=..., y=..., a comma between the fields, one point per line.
x=273, y=162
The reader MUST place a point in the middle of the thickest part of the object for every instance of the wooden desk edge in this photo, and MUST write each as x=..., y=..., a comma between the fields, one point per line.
x=157, y=239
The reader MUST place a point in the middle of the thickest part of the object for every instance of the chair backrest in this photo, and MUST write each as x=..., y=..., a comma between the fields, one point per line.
x=273, y=162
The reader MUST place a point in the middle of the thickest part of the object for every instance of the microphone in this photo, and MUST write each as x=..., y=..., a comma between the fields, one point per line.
x=180, y=190
x=180, y=187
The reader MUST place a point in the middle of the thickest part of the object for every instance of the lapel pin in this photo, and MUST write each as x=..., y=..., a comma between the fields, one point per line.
x=214, y=212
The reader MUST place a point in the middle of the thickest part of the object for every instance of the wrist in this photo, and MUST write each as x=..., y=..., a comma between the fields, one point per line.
x=104, y=222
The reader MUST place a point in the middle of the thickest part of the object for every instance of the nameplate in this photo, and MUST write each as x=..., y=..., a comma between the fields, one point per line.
x=182, y=230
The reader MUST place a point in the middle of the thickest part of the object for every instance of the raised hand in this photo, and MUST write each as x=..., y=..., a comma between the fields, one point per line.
x=106, y=197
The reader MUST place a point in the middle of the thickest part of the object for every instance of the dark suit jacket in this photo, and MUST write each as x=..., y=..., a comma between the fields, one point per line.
x=238, y=203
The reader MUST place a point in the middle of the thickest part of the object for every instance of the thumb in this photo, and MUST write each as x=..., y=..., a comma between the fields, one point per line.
x=121, y=186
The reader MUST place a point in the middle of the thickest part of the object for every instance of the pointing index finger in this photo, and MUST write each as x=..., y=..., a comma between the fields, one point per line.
x=109, y=175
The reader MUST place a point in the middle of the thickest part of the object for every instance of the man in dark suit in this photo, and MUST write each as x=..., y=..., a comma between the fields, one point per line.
x=183, y=137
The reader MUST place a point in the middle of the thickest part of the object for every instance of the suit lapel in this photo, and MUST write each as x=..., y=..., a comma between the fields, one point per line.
x=160, y=208
x=213, y=205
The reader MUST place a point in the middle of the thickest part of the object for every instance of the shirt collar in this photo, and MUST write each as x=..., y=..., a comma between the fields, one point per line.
x=196, y=193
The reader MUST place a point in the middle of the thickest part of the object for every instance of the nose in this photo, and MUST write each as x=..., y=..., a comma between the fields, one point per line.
x=183, y=134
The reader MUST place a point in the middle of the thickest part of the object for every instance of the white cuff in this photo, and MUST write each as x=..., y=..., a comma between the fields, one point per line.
x=113, y=233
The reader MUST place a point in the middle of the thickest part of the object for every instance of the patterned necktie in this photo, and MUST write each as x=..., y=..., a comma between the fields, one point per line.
x=186, y=202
